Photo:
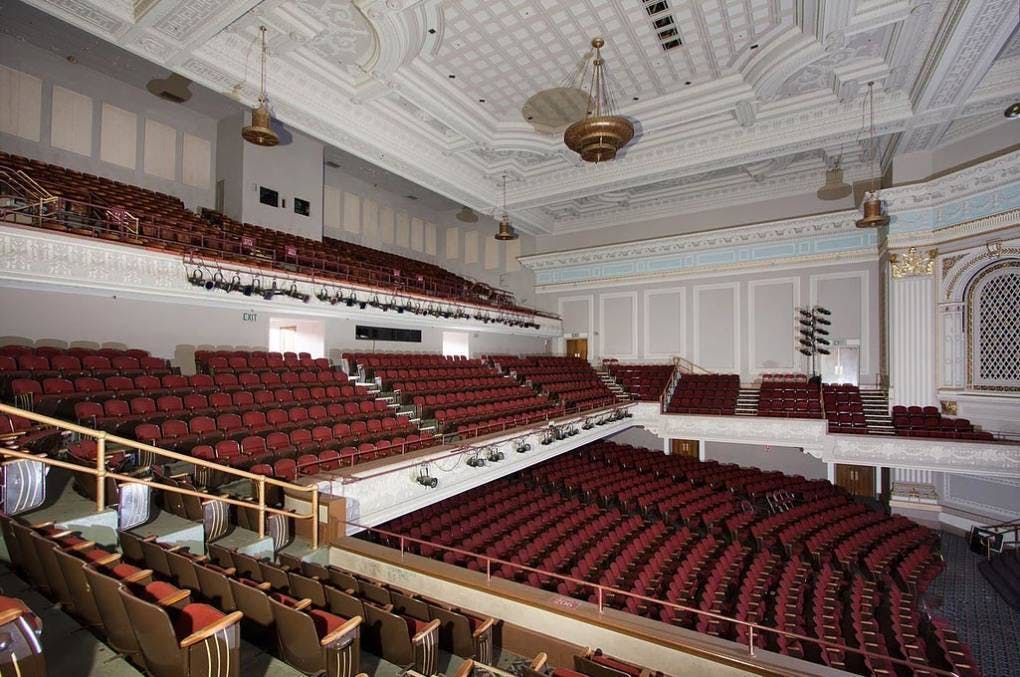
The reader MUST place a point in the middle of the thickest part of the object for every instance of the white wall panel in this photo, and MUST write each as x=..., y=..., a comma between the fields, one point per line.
x=370, y=219
x=453, y=243
x=513, y=250
x=471, y=246
x=196, y=161
x=71, y=127
x=846, y=295
x=20, y=104
x=387, y=219
x=717, y=326
x=772, y=335
x=577, y=315
x=160, y=155
x=352, y=213
x=331, y=199
x=403, y=238
x=618, y=325
x=430, y=239
x=492, y=251
x=665, y=325
x=417, y=234
x=118, y=136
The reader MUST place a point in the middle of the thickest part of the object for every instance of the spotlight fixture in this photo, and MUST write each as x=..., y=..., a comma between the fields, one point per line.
x=425, y=479
x=813, y=333
x=476, y=462
x=196, y=277
x=323, y=295
x=260, y=131
x=495, y=456
x=588, y=425
x=521, y=446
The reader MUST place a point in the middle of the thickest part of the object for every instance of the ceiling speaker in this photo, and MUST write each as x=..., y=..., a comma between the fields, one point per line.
x=467, y=215
x=172, y=88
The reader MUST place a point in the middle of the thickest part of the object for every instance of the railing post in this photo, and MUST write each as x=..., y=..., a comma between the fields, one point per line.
x=315, y=518
x=402, y=547
x=600, y=598
x=262, y=506
x=488, y=570
x=750, y=640
x=100, y=472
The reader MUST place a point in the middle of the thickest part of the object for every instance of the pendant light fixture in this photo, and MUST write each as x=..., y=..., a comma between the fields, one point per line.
x=506, y=231
x=873, y=217
x=260, y=131
x=600, y=135
x=835, y=188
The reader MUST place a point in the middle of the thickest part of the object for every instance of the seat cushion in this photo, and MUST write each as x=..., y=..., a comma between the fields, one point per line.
x=194, y=617
x=616, y=665
x=325, y=622
x=124, y=570
x=158, y=590
x=414, y=626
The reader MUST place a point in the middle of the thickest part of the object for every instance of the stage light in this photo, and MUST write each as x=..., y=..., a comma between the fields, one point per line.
x=476, y=462
x=427, y=480
x=495, y=456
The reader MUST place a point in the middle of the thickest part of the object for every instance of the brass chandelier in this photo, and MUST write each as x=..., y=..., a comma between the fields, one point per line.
x=260, y=131
x=506, y=231
x=874, y=216
x=600, y=135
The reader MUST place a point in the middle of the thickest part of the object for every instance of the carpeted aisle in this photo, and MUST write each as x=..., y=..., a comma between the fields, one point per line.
x=981, y=617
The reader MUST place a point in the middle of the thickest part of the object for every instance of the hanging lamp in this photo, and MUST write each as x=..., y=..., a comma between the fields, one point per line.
x=835, y=188
x=260, y=131
x=505, y=232
x=874, y=216
x=600, y=135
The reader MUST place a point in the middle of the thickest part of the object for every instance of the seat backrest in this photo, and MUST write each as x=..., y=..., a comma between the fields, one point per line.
x=119, y=633
x=155, y=633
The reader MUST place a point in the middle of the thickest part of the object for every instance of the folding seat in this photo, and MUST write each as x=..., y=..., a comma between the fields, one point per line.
x=231, y=425
x=302, y=396
x=143, y=408
x=176, y=384
x=217, y=364
x=308, y=464
x=270, y=380
x=263, y=399
x=227, y=382
x=202, y=383
x=366, y=451
x=204, y=429
x=352, y=411
x=301, y=439
x=126, y=366
x=308, y=377
x=221, y=402
x=249, y=381
x=298, y=417
x=121, y=386
x=243, y=401
x=341, y=431
x=255, y=422
x=255, y=450
x=285, y=469
x=283, y=396
x=327, y=377
x=154, y=366
x=68, y=366
x=194, y=639
x=290, y=379
x=278, y=444
x=238, y=364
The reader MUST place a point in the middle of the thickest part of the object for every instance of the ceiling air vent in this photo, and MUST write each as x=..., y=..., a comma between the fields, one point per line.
x=663, y=23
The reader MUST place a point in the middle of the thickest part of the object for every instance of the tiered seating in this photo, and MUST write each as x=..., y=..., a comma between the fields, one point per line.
x=95, y=206
x=799, y=555
x=239, y=362
x=844, y=408
x=468, y=397
x=705, y=394
x=916, y=421
x=570, y=380
x=792, y=398
x=643, y=381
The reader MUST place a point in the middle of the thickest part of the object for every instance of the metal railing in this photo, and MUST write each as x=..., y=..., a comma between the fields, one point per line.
x=687, y=367
x=605, y=592
x=102, y=473
x=1003, y=529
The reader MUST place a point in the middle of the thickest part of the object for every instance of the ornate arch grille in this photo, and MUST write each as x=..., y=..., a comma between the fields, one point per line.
x=993, y=323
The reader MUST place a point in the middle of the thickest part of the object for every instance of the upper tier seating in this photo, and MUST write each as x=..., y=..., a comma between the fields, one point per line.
x=244, y=361
x=791, y=397
x=705, y=394
x=796, y=554
x=165, y=224
x=570, y=380
x=643, y=381
x=916, y=421
x=844, y=408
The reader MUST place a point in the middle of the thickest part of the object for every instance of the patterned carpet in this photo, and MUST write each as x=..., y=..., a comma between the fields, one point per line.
x=983, y=620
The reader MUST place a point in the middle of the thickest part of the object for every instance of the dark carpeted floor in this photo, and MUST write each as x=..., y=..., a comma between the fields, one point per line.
x=980, y=616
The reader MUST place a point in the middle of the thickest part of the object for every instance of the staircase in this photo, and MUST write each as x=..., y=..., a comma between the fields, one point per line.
x=747, y=402
x=876, y=411
x=614, y=386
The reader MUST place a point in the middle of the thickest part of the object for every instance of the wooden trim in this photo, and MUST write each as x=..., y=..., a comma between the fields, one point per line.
x=174, y=598
x=210, y=630
x=486, y=624
x=347, y=627
x=424, y=633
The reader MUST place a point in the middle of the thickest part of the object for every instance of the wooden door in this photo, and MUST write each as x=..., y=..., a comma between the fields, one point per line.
x=687, y=448
x=577, y=348
x=859, y=480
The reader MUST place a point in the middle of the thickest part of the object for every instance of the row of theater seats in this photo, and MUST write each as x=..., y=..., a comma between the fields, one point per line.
x=172, y=612
x=732, y=541
x=244, y=361
x=570, y=380
x=166, y=225
x=705, y=394
x=792, y=398
x=644, y=382
x=844, y=408
x=916, y=421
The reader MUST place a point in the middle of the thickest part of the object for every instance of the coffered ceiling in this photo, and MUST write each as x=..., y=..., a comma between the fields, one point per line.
x=750, y=103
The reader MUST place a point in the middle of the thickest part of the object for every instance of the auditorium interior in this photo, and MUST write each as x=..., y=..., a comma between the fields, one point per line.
x=509, y=338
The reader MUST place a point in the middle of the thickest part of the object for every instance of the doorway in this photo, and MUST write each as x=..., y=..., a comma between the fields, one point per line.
x=577, y=347
x=686, y=448
x=858, y=480
x=291, y=335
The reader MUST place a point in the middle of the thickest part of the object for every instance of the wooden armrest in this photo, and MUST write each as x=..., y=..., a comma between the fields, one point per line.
x=349, y=591
x=265, y=585
x=139, y=576
x=109, y=559
x=199, y=559
x=174, y=598
x=347, y=627
x=176, y=548
x=303, y=604
x=149, y=539
x=10, y=615
x=387, y=607
x=433, y=625
x=210, y=630
x=85, y=545
x=43, y=525
x=484, y=627
x=539, y=661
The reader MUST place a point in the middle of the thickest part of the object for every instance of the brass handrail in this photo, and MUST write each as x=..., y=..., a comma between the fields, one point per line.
x=101, y=473
x=602, y=591
x=691, y=368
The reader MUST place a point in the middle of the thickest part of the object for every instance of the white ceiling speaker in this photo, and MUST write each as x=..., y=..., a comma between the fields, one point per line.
x=172, y=88
x=467, y=215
